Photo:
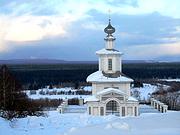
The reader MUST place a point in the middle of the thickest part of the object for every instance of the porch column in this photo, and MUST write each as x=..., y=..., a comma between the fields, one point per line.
x=133, y=111
x=137, y=109
x=152, y=101
x=120, y=111
x=165, y=107
x=157, y=104
x=161, y=107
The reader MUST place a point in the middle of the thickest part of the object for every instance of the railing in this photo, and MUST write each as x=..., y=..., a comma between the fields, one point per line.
x=62, y=107
x=159, y=105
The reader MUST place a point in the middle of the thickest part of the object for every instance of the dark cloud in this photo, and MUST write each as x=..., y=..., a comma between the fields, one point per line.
x=141, y=29
x=131, y=30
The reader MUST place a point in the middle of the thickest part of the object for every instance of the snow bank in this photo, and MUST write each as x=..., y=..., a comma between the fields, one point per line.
x=146, y=124
x=117, y=125
x=83, y=124
x=54, y=124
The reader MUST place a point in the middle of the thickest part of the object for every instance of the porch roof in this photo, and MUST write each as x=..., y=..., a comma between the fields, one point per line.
x=91, y=99
x=108, y=90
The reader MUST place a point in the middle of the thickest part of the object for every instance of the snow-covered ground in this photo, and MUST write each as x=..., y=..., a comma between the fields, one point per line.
x=38, y=96
x=146, y=124
x=87, y=88
x=171, y=80
x=55, y=93
x=145, y=90
x=83, y=124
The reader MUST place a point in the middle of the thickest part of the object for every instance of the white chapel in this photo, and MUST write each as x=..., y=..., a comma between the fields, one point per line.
x=110, y=87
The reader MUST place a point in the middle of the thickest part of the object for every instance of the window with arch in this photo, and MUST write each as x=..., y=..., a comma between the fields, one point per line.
x=109, y=64
x=112, y=107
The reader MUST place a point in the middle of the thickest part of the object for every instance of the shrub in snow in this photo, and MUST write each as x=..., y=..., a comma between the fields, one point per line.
x=73, y=101
x=41, y=92
x=32, y=92
x=54, y=92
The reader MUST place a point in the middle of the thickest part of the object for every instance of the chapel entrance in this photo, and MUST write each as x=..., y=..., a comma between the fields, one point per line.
x=112, y=107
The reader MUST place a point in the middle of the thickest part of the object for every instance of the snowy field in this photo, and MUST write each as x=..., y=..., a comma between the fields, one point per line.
x=65, y=90
x=171, y=80
x=146, y=124
x=144, y=92
x=37, y=96
x=83, y=124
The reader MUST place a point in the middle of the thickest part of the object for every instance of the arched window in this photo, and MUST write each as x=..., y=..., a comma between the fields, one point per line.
x=112, y=107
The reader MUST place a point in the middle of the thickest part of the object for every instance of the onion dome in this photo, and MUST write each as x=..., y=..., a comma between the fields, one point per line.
x=109, y=29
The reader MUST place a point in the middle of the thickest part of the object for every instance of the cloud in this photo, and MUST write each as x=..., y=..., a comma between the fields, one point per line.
x=128, y=7
x=153, y=51
x=3, y=27
x=26, y=21
x=32, y=28
x=177, y=30
x=138, y=23
x=164, y=7
x=94, y=25
x=27, y=28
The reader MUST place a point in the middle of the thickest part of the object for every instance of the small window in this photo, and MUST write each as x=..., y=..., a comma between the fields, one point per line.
x=109, y=64
x=101, y=111
x=89, y=110
x=135, y=110
x=123, y=111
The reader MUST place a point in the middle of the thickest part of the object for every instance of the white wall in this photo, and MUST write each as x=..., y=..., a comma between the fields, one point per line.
x=116, y=63
x=129, y=108
x=97, y=87
x=109, y=44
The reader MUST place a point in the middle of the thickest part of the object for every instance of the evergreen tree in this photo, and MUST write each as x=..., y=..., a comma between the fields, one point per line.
x=13, y=102
x=9, y=88
x=50, y=86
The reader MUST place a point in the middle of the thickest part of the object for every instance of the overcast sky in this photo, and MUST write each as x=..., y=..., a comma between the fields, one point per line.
x=73, y=29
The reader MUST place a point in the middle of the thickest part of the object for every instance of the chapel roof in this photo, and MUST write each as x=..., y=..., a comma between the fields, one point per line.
x=108, y=90
x=98, y=76
x=109, y=29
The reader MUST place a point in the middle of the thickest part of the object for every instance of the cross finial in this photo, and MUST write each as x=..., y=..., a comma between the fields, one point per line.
x=109, y=11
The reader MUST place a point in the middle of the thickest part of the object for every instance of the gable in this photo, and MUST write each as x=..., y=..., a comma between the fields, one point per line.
x=111, y=92
x=112, y=95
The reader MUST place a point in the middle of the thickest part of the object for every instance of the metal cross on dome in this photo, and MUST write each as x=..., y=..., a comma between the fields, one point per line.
x=109, y=11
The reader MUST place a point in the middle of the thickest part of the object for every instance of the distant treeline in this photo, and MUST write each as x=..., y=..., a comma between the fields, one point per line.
x=152, y=70
x=74, y=74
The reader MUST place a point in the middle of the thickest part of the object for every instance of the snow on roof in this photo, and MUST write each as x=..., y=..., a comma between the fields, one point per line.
x=90, y=99
x=132, y=99
x=105, y=91
x=99, y=77
x=105, y=51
